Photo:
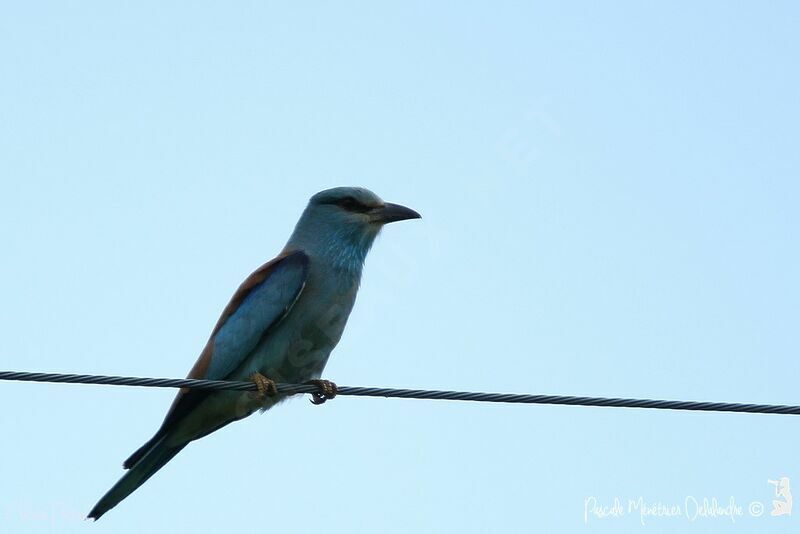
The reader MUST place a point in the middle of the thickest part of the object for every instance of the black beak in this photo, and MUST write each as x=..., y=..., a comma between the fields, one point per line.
x=389, y=213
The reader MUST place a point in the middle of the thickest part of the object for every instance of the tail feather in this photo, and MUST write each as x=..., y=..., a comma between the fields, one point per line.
x=141, y=451
x=149, y=463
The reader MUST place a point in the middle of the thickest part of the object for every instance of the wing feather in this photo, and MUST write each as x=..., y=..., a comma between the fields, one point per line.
x=263, y=299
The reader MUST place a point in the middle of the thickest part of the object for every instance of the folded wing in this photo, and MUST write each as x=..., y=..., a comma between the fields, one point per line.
x=260, y=303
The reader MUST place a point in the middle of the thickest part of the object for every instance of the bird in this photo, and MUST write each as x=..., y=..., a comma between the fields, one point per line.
x=280, y=326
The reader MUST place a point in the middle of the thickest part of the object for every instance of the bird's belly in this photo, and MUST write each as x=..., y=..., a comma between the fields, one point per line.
x=282, y=357
x=290, y=358
x=297, y=348
x=293, y=351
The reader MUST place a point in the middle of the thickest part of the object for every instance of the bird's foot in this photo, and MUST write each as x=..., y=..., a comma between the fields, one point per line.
x=266, y=387
x=329, y=391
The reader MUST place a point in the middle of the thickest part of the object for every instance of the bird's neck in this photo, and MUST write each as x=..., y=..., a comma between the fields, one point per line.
x=340, y=251
x=345, y=258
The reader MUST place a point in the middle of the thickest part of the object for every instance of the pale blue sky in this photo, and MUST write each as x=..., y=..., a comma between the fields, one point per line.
x=610, y=202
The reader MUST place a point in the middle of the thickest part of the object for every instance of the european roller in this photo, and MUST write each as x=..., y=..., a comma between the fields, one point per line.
x=280, y=326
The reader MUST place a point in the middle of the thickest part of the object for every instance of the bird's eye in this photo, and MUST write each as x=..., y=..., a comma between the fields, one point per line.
x=351, y=204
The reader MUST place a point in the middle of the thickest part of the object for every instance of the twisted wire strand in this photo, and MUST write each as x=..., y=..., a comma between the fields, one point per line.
x=293, y=389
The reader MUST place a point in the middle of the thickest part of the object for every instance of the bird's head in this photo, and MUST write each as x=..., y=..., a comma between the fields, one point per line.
x=343, y=222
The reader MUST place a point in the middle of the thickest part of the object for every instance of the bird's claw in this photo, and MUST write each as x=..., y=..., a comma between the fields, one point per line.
x=329, y=391
x=266, y=387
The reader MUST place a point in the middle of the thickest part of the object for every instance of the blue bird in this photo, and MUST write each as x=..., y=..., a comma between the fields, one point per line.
x=280, y=326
